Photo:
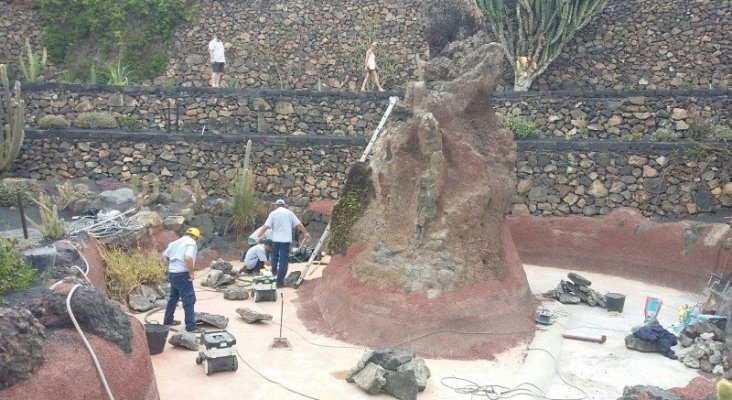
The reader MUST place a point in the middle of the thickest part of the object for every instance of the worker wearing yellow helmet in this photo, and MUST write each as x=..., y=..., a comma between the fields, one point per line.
x=180, y=258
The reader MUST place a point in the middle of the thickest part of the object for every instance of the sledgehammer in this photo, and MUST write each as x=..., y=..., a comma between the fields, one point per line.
x=601, y=340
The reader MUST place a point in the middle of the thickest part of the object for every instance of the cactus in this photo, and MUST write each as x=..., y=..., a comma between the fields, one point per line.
x=32, y=70
x=12, y=120
x=535, y=32
x=51, y=225
x=145, y=192
x=724, y=390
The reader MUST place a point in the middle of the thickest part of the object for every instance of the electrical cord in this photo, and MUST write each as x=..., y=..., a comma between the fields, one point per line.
x=273, y=381
x=86, y=343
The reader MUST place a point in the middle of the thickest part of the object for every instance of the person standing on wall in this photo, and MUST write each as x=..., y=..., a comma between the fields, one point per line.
x=180, y=258
x=371, y=69
x=217, y=60
x=281, y=221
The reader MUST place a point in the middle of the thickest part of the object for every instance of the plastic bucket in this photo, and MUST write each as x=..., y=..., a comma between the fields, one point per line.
x=156, y=336
x=615, y=302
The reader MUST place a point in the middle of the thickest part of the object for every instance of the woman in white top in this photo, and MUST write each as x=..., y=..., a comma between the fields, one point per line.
x=371, y=69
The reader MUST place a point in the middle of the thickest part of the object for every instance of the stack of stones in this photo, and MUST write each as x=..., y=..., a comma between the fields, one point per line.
x=576, y=291
x=396, y=372
x=704, y=347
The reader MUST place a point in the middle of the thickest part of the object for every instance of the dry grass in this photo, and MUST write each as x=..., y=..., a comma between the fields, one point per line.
x=127, y=270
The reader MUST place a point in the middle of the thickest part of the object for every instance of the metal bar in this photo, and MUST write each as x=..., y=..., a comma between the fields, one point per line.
x=600, y=340
x=22, y=214
x=392, y=101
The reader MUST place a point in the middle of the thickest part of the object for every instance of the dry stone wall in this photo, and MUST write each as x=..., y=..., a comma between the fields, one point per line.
x=220, y=111
x=593, y=177
x=301, y=169
x=642, y=44
x=589, y=177
x=618, y=114
x=648, y=44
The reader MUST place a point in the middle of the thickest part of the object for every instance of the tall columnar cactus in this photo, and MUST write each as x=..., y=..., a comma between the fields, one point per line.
x=12, y=119
x=32, y=68
x=534, y=33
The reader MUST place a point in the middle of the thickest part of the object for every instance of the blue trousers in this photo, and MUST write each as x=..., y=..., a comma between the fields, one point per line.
x=181, y=288
x=280, y=258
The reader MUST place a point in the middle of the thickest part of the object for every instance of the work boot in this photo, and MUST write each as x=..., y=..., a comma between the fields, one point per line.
x=174, y=323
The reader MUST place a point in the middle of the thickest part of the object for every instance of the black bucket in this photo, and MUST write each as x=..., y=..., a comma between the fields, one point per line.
x=615, y=302
x=156, y=336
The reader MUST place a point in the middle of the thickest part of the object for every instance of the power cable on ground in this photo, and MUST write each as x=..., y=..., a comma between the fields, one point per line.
x=273, y=381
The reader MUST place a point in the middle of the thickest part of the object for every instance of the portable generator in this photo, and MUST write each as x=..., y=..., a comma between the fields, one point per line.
x=216, y=352
x=265, y=288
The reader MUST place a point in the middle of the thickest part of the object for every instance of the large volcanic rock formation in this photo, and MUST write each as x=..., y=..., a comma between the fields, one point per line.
x=431, y=256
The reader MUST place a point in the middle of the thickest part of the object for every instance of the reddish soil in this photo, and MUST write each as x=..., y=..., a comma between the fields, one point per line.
x=623, y=243
x=700, y=388
x=324, y=207
x=472, y=322
x=89, y=249
x=69, y=373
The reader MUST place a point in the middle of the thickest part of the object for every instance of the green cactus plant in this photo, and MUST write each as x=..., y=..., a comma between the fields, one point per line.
x=52, y=226
x=35, y=65
x=12, y=119
x=145, y=192
x=534, y=33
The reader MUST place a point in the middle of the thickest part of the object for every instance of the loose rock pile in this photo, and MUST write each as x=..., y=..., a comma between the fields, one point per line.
x=576, y=291
x=704, y=348
x=222, y=273
x=396, y=372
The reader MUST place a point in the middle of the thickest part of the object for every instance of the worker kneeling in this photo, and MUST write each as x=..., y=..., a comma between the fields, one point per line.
x=256, y=257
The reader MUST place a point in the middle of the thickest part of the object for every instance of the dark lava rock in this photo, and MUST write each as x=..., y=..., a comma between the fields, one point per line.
x=390, y=358
x=93, y=311
x=22, y=347
x=401, y=384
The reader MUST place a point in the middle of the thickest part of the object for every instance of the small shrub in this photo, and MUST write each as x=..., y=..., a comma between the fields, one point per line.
x=9, y=196
x=15, y=274
x=244, y=210
x=127, y=270
x=232, y=83
x=723, y=133
x=521, y=127
x=131, y=123
x=95, y=120
x=119, y=75
x=68, y=77
x=701, y=128
x=635, y=135
x=53, y=122
x=339, y=132
x=664, y=134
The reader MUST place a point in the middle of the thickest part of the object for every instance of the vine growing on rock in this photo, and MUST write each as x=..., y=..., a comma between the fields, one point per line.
x=356, y=195
x=135, y=31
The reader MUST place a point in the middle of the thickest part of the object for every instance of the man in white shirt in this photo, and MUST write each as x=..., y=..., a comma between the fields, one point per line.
x=281, y=221
x=217, y=60
x=180, y=258
x=256, y=257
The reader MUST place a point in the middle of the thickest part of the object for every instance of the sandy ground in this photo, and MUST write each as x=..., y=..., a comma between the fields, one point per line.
x=316, y=365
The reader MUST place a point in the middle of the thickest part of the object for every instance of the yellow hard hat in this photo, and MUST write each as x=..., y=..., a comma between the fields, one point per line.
x=194, y=232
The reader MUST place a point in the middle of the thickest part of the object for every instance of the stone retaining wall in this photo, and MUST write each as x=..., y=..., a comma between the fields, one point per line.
x=586, y=114
x=594, y=177
x=221, y=111
x=554, y=177
x=618, y=114
x=301, y=169
x=294, y=44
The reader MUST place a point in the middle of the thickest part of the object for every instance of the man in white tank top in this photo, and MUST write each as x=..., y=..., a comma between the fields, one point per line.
x=371, y=69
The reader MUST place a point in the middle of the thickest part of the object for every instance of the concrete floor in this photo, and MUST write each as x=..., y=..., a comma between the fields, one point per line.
x=600, y=370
